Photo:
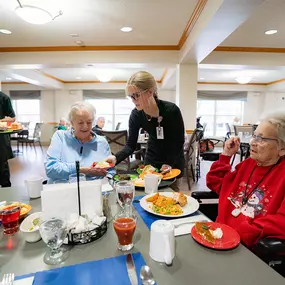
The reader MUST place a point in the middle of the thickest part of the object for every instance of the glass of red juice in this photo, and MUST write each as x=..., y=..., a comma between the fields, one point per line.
x=9, y=215
x=125, y=226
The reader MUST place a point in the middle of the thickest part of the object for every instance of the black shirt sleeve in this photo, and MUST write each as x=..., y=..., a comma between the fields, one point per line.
x=134, y=127
x=8, y=109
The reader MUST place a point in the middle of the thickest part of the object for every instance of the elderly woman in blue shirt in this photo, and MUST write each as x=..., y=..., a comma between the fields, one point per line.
x=79, y=143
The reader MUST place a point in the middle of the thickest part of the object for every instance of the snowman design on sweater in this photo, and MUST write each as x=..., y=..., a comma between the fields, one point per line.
x=255, y=204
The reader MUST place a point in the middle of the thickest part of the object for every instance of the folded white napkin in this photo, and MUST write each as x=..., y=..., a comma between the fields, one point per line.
x=186, y=224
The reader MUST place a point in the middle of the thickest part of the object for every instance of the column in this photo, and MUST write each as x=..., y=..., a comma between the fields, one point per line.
x=186, y=93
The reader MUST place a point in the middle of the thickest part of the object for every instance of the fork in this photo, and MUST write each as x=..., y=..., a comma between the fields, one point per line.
x=8, y=279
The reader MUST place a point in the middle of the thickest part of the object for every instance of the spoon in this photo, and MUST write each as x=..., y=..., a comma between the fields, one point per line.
x=146, y=276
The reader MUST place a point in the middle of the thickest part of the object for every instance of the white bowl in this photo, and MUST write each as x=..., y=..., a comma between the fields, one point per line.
x=34, y=235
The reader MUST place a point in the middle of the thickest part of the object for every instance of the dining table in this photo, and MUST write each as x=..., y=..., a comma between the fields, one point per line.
x=193, y=263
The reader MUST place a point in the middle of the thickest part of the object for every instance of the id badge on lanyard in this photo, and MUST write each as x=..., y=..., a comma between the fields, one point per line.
x=159, y=129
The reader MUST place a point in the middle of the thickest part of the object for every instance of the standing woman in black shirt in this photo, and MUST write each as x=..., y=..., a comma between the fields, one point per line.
x=161, y=119
x=7, y=114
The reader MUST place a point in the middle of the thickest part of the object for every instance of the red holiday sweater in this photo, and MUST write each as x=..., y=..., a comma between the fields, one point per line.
x=263, y=215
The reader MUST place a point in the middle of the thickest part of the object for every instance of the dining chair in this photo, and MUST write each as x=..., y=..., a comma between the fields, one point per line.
x=36, y=138
x=117, y=140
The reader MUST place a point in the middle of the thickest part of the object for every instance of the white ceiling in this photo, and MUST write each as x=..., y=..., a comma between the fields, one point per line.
x=270, y=16
x=98, y=22
x=225, y=75
x=89, y=74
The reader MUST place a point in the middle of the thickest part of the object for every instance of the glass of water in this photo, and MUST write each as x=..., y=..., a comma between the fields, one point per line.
x=53, y=233
x=73, y=177
x=125, y=192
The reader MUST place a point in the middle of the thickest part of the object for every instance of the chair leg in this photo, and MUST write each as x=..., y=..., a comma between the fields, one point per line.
x=193, y=173
x=187, y=176
x=40, y=146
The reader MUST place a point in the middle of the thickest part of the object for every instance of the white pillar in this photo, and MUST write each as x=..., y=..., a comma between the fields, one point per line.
x=0, y=86
x=186, y=93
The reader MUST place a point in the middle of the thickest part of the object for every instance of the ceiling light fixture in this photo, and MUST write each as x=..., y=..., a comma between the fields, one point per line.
x=35, y=15
x=126, y=29
x=8, y=78
x=5, y=32
x=104, y=75
x=243, y=79
x=271, y=32
x=202, y=78
x=78, y=77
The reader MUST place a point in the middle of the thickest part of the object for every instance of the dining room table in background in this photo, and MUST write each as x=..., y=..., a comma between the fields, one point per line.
x=193, y=263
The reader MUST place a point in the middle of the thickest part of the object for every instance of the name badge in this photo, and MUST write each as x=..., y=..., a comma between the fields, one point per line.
x=159, y=133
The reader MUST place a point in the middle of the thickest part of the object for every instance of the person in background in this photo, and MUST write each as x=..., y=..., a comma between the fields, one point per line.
x=100, y=123
x=79, y=143
x=62, y=124
x=162, y=120
x=252, y=197
x=7, y=114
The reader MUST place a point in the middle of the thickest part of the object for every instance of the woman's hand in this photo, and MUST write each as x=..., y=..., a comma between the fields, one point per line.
x=231, y=146
x=111, y=159
x=92, y=171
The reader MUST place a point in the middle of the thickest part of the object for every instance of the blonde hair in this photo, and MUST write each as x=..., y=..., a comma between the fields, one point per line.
x=81, y=106
x=144, y=81
x=277, y=119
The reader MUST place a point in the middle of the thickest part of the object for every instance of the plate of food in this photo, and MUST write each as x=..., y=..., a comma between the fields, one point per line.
x=169, y=204
x=121, y=177
x=102, y=165
x=166, y=171
x=25, y=208
x=215, y=235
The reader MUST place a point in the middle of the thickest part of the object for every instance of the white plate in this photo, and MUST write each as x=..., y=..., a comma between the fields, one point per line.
x=191, y=207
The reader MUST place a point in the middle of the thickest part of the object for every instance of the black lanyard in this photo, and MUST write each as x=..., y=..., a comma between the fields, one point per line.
x=246, y=197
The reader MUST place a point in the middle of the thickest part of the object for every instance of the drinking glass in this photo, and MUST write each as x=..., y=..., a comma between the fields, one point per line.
x=125, y=192
x=9, y=214
x=53, y=233
x=73, y=177
x=125, y=225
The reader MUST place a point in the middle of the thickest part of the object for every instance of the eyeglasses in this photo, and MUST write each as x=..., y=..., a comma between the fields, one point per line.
x=260, y=139
x=136, y=95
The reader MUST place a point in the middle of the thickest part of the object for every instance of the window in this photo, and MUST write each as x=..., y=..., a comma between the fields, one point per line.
x=216, y=113
x=27, y=111
x=114, y=111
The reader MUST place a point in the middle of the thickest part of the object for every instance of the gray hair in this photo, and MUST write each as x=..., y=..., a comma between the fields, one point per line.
x=277, y=119
x=100, y=118
x=81, y=106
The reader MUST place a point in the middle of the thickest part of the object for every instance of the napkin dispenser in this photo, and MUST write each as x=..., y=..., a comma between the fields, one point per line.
x=61, y=200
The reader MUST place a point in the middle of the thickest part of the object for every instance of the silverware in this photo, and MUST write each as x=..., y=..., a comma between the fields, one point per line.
x=132, y=270
x=184, y=223
x=8, y=279
x=146, y=276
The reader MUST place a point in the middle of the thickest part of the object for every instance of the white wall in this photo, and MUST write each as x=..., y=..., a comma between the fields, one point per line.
x=274, y=101
x=253, y=107
x=167, y=95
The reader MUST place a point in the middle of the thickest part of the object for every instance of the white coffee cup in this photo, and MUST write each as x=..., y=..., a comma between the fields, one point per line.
x=162, y=242
x=151, y=182
x=34, y=186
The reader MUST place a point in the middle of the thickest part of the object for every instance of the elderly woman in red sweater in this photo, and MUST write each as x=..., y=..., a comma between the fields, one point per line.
x=252, y=196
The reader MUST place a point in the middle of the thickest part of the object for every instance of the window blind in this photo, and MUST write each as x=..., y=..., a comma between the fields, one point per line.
x=222, y=95
x=104, y=94
x=25, y=94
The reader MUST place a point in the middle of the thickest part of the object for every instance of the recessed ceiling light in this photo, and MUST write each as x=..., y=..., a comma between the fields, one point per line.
x=202, y=78
x=126, y=29
x=74, y=35
x=243, y=79
x=271, y=32
x=8, y=78
x=78, y=77
x=79, y=42
x=5, y=32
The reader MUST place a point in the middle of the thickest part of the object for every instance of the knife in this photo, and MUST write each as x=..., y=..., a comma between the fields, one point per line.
x=132, y=270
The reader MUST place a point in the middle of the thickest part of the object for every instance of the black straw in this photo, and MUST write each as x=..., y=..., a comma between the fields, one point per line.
x=78, y=188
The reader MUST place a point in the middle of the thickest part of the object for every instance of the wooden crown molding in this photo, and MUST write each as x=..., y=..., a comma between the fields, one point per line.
x=249, y=49
x=189, y=27
x=14, y=82
x=192, y=21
